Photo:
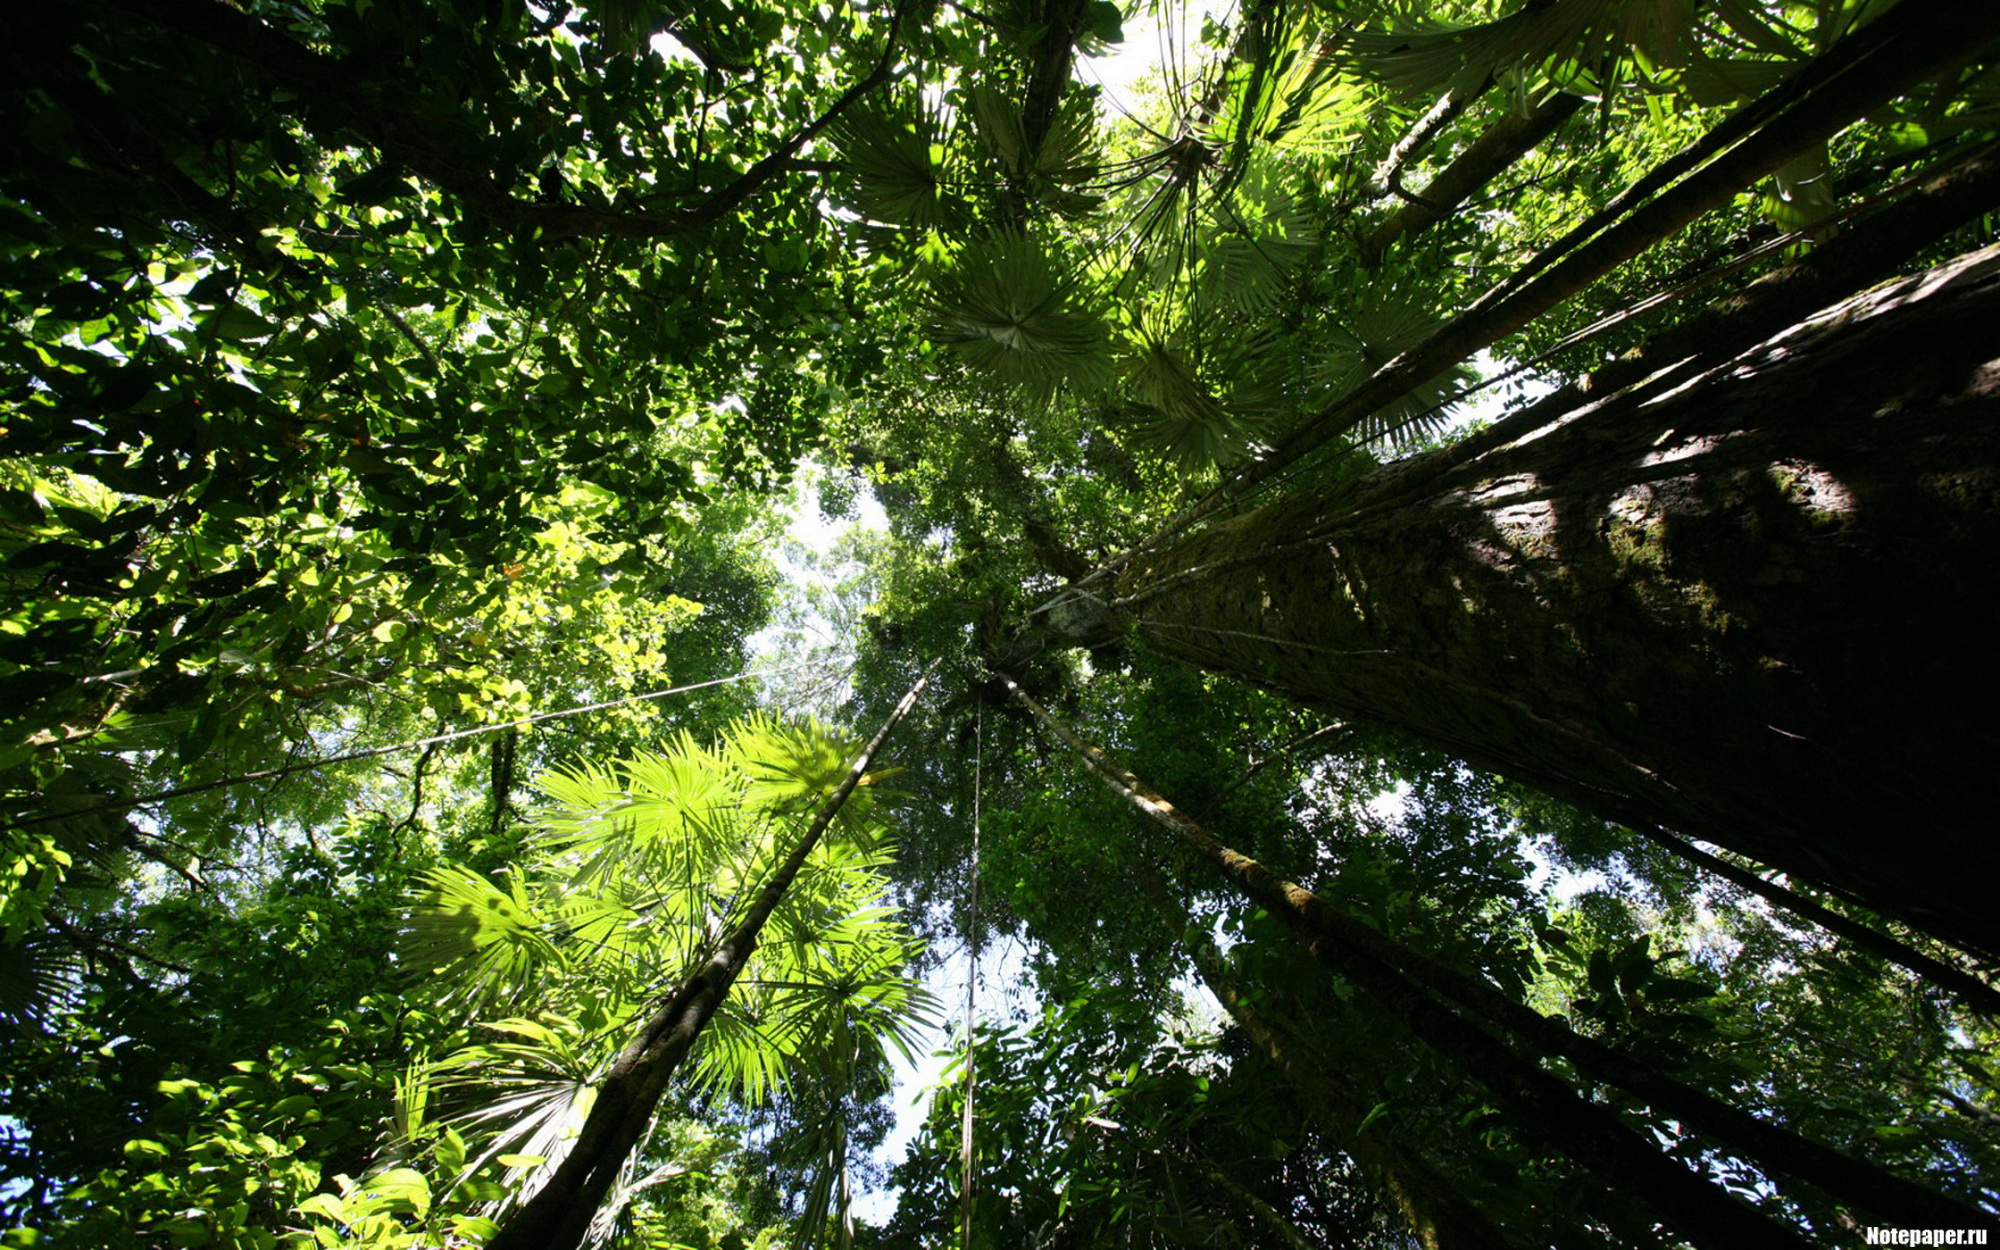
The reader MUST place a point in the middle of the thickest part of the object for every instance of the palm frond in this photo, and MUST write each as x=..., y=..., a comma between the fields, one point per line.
x=897, y=163
x=824, y=1139
x=1009, y=309
x=1173, y=413
x=521, y=1096
x=1253, y=246
x=1384, y=329
x=1565, y=38
x=1068, y=161
x=998, y=124
x=661, y=817
x=742, y=1053
x=628, y=938
x=657, y=849
x=1292, y=93
x=39, y=977
x=1713, y=81
x=478, y=938
x=790, y=766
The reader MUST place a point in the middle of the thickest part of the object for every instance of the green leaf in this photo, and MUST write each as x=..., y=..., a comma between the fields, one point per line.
x=1008, y=309
x=239, y=324
x=398, y=1189
x=143, y=1151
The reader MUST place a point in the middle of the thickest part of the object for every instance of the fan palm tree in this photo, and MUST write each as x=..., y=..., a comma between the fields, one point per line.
x=677, y=896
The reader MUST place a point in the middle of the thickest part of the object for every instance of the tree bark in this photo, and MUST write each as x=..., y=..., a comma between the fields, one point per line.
x=1754, y=608
x=1439, y=1216
x=1588, y=1133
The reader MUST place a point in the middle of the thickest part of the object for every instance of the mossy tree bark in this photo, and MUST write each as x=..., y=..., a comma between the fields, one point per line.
x=1750, y=602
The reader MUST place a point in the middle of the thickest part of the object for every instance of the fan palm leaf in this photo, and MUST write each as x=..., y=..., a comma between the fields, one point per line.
x=522, y=1095
x=790, y=766
x=1566, y=37
x=39, y=977
x=1386, y=327
x=642, y=863
x=1174, y=412
x=479, y=939
x=897, y=162
x=1011, y=310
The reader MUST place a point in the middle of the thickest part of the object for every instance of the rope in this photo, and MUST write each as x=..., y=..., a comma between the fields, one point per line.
x=272, y=774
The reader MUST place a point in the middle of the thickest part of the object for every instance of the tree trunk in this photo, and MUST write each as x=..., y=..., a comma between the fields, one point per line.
x=1587, y=1132
x=559, y=1215
x=1971, y=992
x=1506, y=141
x=1754, y=607
x=1439, y=1216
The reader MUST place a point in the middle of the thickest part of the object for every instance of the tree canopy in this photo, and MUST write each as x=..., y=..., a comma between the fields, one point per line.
x=1434, y=588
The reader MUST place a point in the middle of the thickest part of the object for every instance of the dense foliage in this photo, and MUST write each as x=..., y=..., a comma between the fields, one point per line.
x=404, y=405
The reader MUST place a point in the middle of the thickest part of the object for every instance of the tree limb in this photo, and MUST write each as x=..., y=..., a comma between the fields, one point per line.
x=1970, y=990
x=434, y=156
x=98, y=943
x=1250, y=774
x=1504, y=143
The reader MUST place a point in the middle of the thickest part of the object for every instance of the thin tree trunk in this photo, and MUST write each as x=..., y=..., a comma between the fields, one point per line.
x=1373, y=959
x=1753, y=609
x=1506, y=141
x=967, y=1154
x=559, y=1214
x=1589, y=1134
x=1868, y=252
x=1269, y=1215
x=1439, y=1216
x=1869, y=68
x=1969, y=989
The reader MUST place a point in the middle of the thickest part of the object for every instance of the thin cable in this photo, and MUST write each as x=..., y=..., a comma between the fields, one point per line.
x=271, y=774
x=965, y=1153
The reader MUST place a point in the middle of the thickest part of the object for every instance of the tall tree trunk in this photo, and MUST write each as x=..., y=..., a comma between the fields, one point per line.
x=1437, y=1214
x=1588, y=1133
x=1859, y=74
x=1267, y=1215
x=1754, y=607
x=1967, y=988
x=560, y=1213
x=1403, y=980
x=1441, y=1216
